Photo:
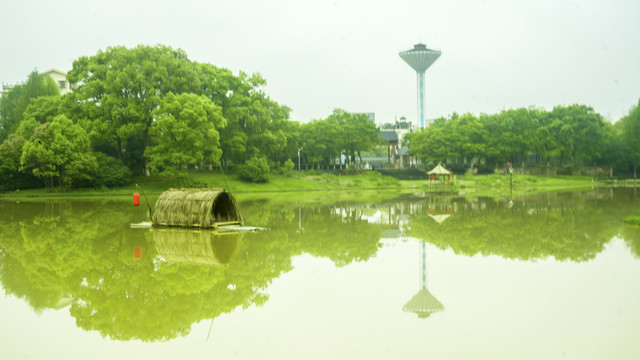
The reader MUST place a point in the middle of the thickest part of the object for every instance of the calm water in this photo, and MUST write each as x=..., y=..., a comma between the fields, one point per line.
x=406, y=277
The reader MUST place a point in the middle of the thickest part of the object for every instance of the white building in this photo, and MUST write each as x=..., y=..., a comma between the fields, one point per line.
x=60, y=78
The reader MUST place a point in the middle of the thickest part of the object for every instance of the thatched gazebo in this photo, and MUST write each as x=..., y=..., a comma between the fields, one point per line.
x=439, y=170
x=200, y=208
x=436, y=172
x=199, y=247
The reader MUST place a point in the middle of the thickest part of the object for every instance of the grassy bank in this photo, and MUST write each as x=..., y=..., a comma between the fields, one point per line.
x=308, y=184
x=501, y=185
x=299, y=182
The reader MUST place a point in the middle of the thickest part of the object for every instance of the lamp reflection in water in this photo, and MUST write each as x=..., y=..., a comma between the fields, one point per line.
x=423, y=303
x=197, y=247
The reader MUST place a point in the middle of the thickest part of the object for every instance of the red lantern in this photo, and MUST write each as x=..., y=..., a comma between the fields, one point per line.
x=136, y=199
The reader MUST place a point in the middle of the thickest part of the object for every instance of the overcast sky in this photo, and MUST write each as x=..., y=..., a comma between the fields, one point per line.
x=320, y=55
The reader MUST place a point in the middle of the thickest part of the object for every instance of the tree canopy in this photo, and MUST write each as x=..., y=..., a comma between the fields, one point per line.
x=157, y=111
x=15, y=102
x=567, y=135
x=184, y=131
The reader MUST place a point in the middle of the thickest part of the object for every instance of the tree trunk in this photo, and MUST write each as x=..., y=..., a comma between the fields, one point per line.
x=119, y=142
x=144, y=158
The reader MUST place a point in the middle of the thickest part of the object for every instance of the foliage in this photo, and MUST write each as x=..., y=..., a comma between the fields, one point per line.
x=11, y=177
x=340, y=133
x=631, y=136
x=184, y=131
x=58, y=150
x=123, y=87
x=255, y=169
x=286, y=169
x=15, y=102
x=573, y=135
x=109, y=172
x=633, y=220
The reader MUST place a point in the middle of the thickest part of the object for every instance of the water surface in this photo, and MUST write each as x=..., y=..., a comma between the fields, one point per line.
x=403, y=276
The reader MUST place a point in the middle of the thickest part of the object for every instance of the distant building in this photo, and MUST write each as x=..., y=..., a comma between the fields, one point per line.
x=59, y=77
x=5, y=89
x=391, y=138
x=393, y=134
x=370, y=116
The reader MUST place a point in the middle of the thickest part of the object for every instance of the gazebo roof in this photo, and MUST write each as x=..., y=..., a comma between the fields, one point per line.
x=439, y=170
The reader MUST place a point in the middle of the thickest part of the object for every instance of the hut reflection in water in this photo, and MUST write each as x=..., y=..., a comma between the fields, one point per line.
x=197, y=247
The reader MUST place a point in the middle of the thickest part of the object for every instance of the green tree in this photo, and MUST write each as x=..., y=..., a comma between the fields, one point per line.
x=356, y=133
x=15, y=102
x=631, y=136
x=123, y=87
x=58, y=150
x=340, y=133
x=11, y=177
x=184, y=132
x=320, y=141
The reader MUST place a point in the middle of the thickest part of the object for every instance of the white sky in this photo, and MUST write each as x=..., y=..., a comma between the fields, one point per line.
x=320, y=55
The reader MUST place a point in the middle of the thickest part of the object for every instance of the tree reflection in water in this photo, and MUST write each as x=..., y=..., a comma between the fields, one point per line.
x=80, y=254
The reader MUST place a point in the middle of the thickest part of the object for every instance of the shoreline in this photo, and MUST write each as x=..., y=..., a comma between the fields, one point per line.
x=477, y=185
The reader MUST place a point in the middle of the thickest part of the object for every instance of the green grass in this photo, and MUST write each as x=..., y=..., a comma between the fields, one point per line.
x=632, y=220
x=310, y=185
x=299, y=182
x=499, y=185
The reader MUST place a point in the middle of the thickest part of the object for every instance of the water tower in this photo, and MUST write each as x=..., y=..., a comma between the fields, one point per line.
x=420, y=58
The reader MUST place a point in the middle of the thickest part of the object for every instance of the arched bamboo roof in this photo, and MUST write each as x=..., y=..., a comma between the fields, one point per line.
x=201, y=208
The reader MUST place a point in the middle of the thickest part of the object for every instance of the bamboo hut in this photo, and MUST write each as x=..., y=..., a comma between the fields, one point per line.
x=199, y=247
x=200, y=208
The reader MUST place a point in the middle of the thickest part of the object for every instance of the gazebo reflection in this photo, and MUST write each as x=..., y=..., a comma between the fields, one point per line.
x=423, y=303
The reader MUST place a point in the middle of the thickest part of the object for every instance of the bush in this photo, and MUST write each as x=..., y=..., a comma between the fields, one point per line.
x=188, y=183
x=286, y=169
x=255, y=169
x=110, y=172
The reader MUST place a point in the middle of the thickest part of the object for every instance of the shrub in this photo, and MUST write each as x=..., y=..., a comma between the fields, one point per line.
x=255, y=169
x=110, y=172
x=286, y=169
x=187, y=182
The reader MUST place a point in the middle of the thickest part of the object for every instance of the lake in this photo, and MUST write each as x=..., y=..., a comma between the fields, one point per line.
x=384, y=275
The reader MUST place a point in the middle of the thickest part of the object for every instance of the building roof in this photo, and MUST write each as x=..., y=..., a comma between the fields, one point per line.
x=389, y=135
x=54, y=71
